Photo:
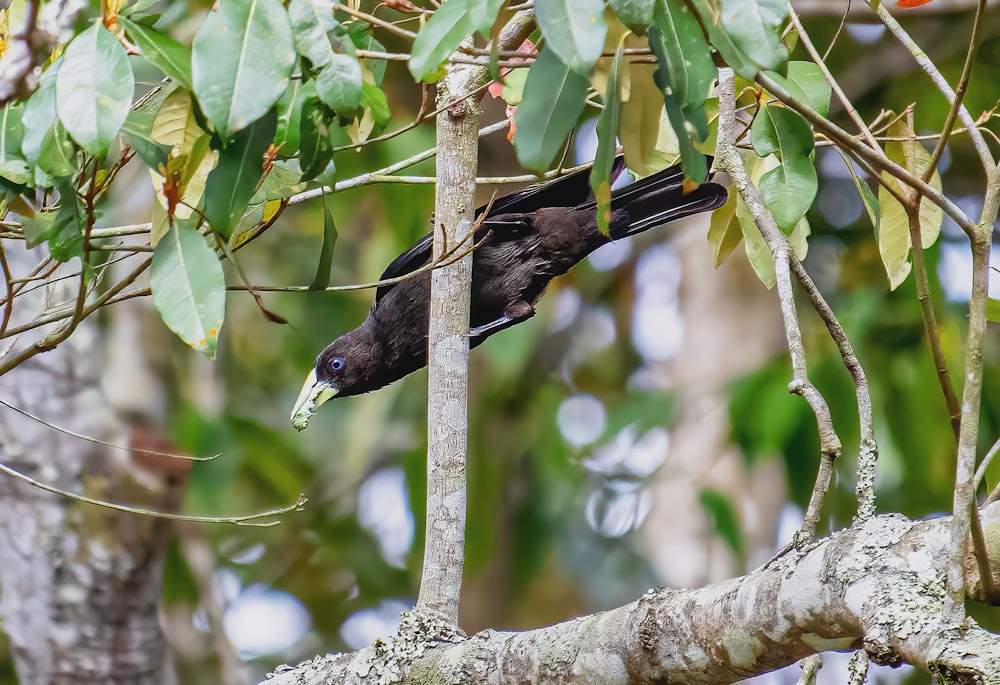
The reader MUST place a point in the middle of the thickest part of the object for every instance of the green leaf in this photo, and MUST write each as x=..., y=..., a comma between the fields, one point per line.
x=94, y=89
x=361, y=34
x=338, y=80
x=778, y=130
x=322, y=279
x=607, y=127
x=152, y=154
x=290, y=116
x=553, y=100
x=445, y=30
x=872, y=206
x=57, y=158
x=66, y=234
x=284, y=181
x=640, y=126
x=754, y=26
x=635, y=14
x=757, y=250
x=312, y=20
x=789, y=189
x=722, y=515
x=11, y=132
x=993, y=310
x=574, y=30
x=340, y=83
x=189, y=288
x=684, y=59
x=806, y=82
x=242, y=58
x=513, y=86
x=234, y=179
x=315, y=147
x=16, y=171
x=724, y=232
x=162, y=51
x=374, y=100
x=37, y=228
x=40, y=112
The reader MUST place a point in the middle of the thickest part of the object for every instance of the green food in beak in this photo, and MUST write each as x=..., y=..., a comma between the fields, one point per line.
x=313, y=394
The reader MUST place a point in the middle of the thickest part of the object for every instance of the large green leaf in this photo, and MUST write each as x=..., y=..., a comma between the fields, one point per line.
x=40, y=112
x=682, y=51
x=242, y=58
x=635, y=14
x=445, y=30
x=690, y=124
x=789, y=189
x=94, y=89
x=338, y=81
x=11, y=132
x=807, y=83
x=290, y=116
x=778, y=130
x=189, y=288
x=553, y=100
x=745, y=33
x=754, y=26
x=314, y=140
x=574, y=29
x=162, y=51
x=234, y=179
x=57, y=156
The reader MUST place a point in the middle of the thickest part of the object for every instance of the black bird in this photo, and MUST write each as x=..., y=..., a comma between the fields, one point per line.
x=528, y=238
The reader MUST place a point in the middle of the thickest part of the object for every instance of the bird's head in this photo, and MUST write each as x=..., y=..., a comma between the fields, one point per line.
x=340, y=369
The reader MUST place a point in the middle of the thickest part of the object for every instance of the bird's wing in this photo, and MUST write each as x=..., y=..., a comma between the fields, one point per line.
x=417, y=256
x=503, y=227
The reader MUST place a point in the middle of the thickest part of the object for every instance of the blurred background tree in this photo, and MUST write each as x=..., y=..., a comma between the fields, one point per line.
x=637, y=432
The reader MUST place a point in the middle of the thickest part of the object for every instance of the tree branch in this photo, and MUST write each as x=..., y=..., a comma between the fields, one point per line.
x=728, y=159
x=878, y=585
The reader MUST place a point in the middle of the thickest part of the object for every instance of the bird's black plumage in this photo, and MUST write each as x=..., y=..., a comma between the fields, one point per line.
x=527, y=238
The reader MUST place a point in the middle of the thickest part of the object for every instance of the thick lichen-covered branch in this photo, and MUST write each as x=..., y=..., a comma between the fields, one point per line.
x=879, y=585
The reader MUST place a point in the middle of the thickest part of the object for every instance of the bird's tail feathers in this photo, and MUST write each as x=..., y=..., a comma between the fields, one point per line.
x=659, y=206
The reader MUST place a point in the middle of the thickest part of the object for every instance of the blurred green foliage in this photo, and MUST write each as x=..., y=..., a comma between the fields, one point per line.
x=531, y=558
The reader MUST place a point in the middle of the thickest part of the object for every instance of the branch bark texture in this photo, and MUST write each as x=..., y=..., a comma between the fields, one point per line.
x=878, y=586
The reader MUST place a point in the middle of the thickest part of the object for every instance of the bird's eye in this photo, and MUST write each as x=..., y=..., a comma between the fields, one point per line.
x=336, y=364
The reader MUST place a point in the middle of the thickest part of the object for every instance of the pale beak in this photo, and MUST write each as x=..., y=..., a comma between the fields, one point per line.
x=313, y=394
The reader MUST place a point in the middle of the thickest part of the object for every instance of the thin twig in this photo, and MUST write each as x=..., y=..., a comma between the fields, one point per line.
x=831, y=81
x=375, y=21
x=868, y=445
x=960, y=89
x=925, y=63
x=97, y=441
x=729, y=160
x=245, y=520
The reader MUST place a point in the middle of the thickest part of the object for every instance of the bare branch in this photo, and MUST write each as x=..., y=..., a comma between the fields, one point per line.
x=729, y=160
